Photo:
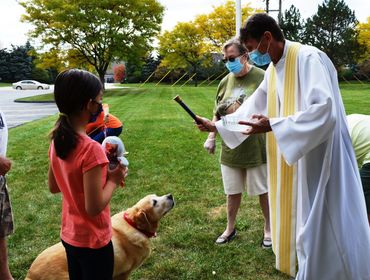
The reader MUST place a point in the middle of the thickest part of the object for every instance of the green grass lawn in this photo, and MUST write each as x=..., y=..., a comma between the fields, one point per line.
x=166, y=156
x=356, y=98
x=5, y=84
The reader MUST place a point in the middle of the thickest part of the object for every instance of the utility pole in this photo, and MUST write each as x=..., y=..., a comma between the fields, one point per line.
x=238, y=17
x=279, y=15
x=276, y=10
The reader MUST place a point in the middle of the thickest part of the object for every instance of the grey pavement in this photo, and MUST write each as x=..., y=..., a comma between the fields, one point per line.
x=20, y=113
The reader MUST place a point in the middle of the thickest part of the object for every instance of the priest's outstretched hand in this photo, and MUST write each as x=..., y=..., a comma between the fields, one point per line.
x=257, y=124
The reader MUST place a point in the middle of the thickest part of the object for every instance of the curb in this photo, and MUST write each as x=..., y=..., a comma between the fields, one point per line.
x=26, y=101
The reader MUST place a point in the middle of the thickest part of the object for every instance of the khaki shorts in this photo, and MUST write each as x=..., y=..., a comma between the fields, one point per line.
x=251, y=180
x=6, y=216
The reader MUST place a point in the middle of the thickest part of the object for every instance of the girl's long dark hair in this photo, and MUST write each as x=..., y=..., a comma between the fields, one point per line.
x=72, y=91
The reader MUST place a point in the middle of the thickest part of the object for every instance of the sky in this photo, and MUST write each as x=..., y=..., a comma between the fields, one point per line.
x=13, y=31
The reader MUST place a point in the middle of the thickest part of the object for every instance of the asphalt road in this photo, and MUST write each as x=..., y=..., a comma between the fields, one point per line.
x=19, y=113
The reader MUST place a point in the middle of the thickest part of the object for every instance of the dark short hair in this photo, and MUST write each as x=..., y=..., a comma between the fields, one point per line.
x=257, y=25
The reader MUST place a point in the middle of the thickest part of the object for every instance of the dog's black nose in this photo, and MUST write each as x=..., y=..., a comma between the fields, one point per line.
x=170, y=196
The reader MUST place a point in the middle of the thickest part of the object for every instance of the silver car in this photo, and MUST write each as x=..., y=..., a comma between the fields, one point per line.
x=29, y=84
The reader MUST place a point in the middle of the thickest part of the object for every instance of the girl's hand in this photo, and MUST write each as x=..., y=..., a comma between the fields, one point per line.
x=118, y=174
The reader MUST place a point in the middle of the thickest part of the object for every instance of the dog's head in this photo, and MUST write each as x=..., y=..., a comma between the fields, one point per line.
x=149, y=210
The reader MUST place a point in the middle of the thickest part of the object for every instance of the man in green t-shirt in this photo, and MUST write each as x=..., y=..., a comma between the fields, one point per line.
x=359, y=130
x=243, y=168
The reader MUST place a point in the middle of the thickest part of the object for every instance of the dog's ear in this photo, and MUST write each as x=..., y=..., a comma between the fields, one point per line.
x=143, y=222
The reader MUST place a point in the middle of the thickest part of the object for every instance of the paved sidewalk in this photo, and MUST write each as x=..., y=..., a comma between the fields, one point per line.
x=20, y=113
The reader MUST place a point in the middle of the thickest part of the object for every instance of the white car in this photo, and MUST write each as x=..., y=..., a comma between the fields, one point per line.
x=30, y=84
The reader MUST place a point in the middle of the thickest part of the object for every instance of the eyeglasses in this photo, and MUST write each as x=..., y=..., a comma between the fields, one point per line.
x=231, y=59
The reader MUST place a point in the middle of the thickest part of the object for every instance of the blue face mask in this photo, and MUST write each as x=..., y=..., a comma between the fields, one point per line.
x=258, y=58
x=235, y=66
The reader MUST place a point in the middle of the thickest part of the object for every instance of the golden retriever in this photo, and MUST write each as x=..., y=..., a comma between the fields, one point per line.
x=131, y=231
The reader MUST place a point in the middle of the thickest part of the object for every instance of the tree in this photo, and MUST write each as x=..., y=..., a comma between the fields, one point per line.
x=41, y=75
x=150, y=65
x=183, y=47
x=99, y=30
x=134, y=66
x=363, y=38
x=52, y=59
x=332, y=29
x=219, y=26
x=4, y=64
x=292, y=24
x=16, y=64
x=56, y=60
x=119, y=72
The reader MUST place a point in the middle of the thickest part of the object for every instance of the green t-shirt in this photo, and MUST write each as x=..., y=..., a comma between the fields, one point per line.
x=252, y=152
x=359, y=130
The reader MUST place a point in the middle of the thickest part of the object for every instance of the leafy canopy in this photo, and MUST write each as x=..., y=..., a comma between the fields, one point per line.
x=363, y=38
x=182, y=47
x=332, y=30
x=292, y=24
x=99, y=30
x=218, y=26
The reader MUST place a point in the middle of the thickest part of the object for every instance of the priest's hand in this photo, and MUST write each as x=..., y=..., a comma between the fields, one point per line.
x=204, y=124
x=257, y=124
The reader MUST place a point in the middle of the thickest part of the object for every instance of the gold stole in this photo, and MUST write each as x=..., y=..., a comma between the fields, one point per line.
x=281, y=176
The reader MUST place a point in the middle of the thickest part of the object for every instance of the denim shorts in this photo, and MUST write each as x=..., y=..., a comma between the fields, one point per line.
x=6, y=216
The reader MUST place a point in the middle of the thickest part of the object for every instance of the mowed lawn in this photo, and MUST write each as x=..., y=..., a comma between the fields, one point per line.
x=5, y=84
x=166, y=156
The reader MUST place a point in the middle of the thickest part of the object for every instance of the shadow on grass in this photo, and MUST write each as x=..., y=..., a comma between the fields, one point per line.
x=123, y=91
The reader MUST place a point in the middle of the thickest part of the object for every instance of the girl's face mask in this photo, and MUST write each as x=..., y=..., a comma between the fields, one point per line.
x=94, y=116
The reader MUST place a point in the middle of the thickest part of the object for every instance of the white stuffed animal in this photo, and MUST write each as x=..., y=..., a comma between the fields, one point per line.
x=115, y=151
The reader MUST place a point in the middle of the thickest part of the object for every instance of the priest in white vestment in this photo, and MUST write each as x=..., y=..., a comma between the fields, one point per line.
x=321, y=217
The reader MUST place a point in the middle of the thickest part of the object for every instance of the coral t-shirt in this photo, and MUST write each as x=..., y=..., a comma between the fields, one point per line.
x=78, y=228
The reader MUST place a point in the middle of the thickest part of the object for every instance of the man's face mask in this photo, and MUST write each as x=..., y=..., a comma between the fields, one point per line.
x=234, y=65
x=258, y=58
x=95, y=115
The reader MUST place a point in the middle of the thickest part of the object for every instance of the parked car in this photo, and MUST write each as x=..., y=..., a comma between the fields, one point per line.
x=30, y=84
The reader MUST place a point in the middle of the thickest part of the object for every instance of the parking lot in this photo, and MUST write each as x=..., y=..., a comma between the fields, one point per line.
x=20, y=113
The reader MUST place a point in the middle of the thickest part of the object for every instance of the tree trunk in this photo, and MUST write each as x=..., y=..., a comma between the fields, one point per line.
x=101, y=77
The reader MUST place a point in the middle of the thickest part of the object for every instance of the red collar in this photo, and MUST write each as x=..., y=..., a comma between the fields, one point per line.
x=132, y=223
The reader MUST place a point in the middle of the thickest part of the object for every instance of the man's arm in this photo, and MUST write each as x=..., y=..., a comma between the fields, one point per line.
x=314, y=122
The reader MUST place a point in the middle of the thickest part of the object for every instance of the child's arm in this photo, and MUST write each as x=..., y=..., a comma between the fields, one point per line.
x=96, y=197
x=53, y=186
x=106, y=112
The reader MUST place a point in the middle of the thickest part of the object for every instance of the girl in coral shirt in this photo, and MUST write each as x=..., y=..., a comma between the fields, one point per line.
x=78, y=169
